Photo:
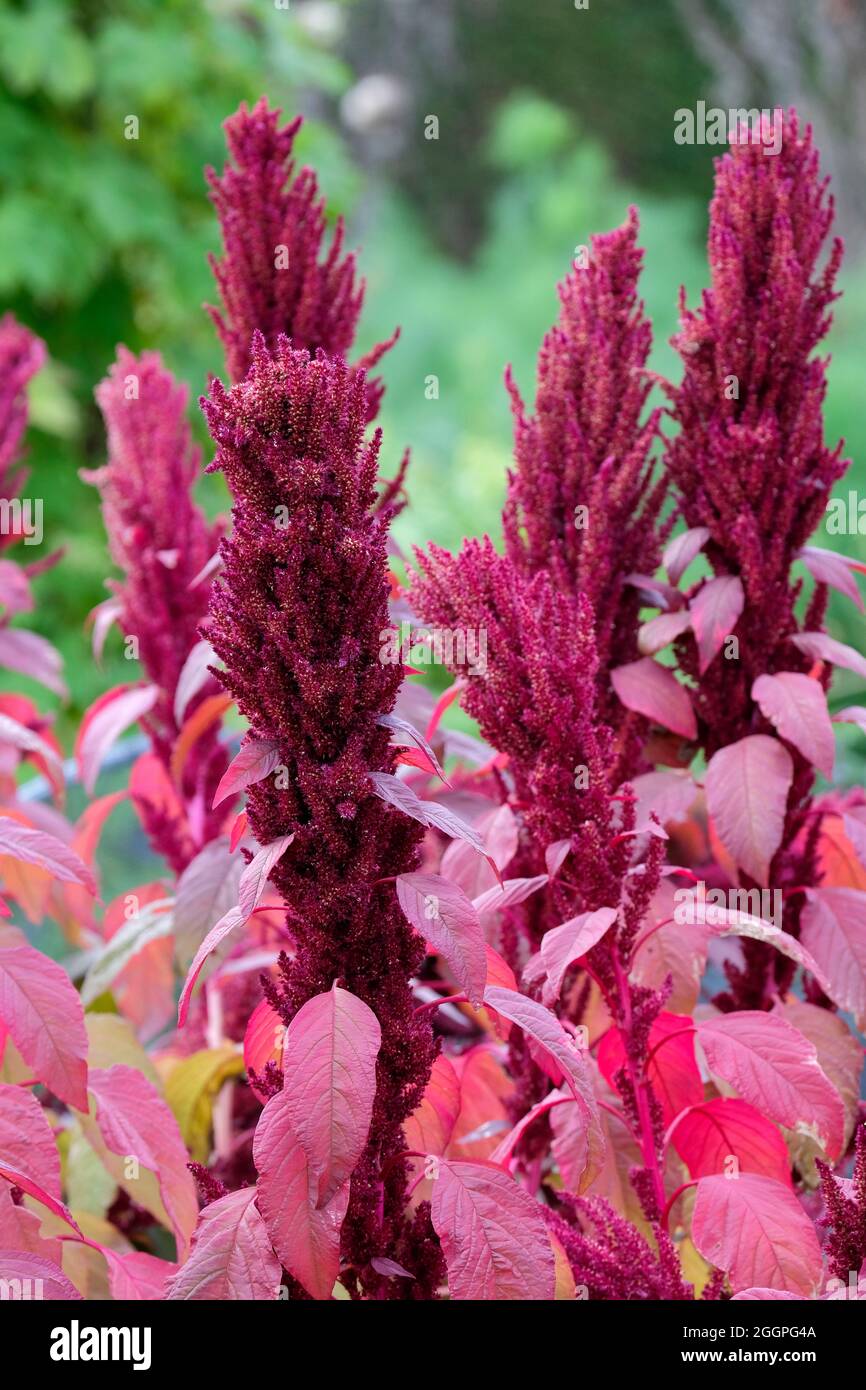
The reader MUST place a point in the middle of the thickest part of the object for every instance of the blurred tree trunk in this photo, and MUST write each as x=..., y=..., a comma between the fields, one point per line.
x=805, y=53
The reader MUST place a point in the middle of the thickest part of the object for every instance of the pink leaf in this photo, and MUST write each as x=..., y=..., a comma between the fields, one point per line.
x=232, y=919
x=770, y=1064
x=508, y=894
x=564, y=945
x=263, y=1041
x=829, y=568
x=403, y=727
x=206, y=890
x=659, y=632
x=555, y=856
x=103, y=617
x=135, y=1122
x=194, y=676
x=397, y=794
x=502, y=1153
x=797, y=706
x=747, y=787
x=256, y=760
x=136, y=1276
x=680, y=552
x=755, y=1229
x=306, y=1238
x=707, y=1136
x=430, y=1126
x=715, y=610
x=723, y=921
x=560, y=1049
x=255, y=876
x=667, y=793
x=31, y=655
x=329, y=1081
x=43, y=1013
x=493, y=1235
x=445, y=917
x=834, y=930
x=46, y=851
x=105, y=721
x=37, y=1273
x=820, y=647
x=26, y=1139
x=654, y=691
x=231, y=1257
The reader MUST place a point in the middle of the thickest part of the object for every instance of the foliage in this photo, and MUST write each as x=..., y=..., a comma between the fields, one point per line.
x=448, y=1024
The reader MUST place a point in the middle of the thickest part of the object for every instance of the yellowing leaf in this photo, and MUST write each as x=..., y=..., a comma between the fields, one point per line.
x=112, y=1039
x=191, y=1089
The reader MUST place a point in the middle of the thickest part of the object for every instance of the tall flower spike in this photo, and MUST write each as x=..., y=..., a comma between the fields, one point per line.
x=161, y=541
x=846, y=1214
x=536, y=702
x=275, y=275
x=297, y=616
x=749, y=462
x=581, y=500
x=21, y=356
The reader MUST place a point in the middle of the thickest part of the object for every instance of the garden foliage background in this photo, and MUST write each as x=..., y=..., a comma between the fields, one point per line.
x=550, y=123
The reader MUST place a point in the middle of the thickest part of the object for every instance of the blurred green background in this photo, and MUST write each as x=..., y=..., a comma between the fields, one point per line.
x=552, y=119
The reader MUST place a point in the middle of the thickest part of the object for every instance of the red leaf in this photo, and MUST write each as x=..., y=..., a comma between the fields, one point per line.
x=770, y=1064
x=755, y=1229
x=654, y=691
x=43, y=1013
x=256, y=760
x=32, y=1270
x=430, y=1126
x=306, y=1239
x=820, y=647
x=134, y=1121
x=46, y=851
x=714, y=611
x=109, y=717
x=658, y=633
x=564, y=945
x=747, y=787
x=231, y=1256
x=31, y=655
x=193, y=677
x=26, y=1138
x=255, y=876
x=673, y=1071
x=329, y=1081
x=444, y=916
x=263, y=1041
x=797, y=706
x=402, y=726
x=493, y=1235
x=708, y=1135
x=834, y=930
x=680, y=552
x=829, y=568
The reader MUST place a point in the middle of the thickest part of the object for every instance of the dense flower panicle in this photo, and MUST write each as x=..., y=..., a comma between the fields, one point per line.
x=749, y=461
x=21, y=356
x=161, y=541
x=275, y=275
x=536, y=700
x=846, y=1214
x=609, y=1257
x=581, y=501
x=298, y=617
